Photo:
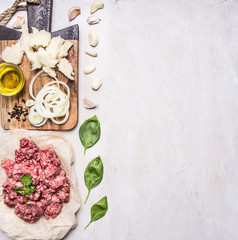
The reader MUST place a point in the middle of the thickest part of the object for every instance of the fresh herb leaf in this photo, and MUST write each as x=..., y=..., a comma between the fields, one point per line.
x=89, y=132
x=93, y=174
x=26, y=180
x=19, y=190
x=98, y=210
x=28, y=188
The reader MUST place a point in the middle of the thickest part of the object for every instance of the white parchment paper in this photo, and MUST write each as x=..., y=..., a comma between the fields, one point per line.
x=53, y=229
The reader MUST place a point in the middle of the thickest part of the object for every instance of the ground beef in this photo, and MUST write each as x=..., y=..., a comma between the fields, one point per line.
x=52, y=187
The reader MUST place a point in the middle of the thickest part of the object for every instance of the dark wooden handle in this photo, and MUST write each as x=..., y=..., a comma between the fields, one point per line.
x=39, y=16
x=69, y=33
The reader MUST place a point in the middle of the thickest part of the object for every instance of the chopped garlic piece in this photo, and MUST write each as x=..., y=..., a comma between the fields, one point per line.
x=49, y=71
x=54, y=46
x=63, y=52
x=66, y=68
x=13, y=54
x=39, y=38
x=45, y=59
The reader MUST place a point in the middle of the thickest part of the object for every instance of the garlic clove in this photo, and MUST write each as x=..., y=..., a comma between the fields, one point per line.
x=88, y=104
x=92, y=53
x=19, y=22
x=93, y=39
x=96, y=84
x=95, y=6
x=89, y=69
x=74, y=12
x=93, y=19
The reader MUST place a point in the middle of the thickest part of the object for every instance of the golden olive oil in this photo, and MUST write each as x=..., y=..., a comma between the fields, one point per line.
x=11, y=79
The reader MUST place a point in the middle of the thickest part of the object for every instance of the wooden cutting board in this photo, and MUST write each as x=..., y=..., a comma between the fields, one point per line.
x=40, y=17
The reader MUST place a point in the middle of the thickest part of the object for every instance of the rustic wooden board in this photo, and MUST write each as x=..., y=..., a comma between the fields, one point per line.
x=9, y=34
x=7, y=103
x=39, y=16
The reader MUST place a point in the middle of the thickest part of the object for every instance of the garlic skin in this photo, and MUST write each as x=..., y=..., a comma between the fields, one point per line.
x=89, y=69
x=96, y=5
x=93, y=39
x=88, y=104
x=93, y=19
x=92, y=53
x=74, y=12
x=18, y=23
x=96, y=84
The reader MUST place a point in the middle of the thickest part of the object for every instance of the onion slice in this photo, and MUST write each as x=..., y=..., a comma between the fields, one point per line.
x=34, y=118
x=50, y=102
x=62, y=121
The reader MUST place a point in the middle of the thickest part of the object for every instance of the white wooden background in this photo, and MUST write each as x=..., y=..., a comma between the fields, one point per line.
x=168, y=108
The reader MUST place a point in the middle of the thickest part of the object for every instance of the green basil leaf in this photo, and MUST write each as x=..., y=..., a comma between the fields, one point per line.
x=89, y=132
x=93, y=174
x=19, y=190
x=25, y=179
x=98, y=210
x=29, y=190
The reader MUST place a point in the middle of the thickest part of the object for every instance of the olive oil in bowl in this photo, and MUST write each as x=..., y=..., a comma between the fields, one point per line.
x=11, y=79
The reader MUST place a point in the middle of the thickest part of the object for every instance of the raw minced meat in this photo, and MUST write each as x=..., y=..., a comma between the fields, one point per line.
x=52, y=187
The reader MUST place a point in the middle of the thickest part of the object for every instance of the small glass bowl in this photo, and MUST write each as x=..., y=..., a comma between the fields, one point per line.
x=5, y=68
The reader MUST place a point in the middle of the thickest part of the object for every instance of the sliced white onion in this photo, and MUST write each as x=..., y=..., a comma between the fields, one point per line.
x=32, y=83
x=42, y=123
x=30, y=103
x=34, y=117
x=51, y=102
x=61, y=121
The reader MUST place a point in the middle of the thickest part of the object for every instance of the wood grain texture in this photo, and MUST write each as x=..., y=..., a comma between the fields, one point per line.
x=9, y=34
x=7, y=103
x=39, y=16
x=71, y=33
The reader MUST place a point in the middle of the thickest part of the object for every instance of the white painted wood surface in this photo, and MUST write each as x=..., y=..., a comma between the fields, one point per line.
x=168, y=108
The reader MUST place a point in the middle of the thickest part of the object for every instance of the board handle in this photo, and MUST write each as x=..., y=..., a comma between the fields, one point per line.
x=39, y=16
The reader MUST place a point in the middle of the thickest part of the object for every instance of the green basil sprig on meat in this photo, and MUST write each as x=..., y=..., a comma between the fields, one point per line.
x=98, y=210
x=93, y=174
x=28, y=188
x=89, y=132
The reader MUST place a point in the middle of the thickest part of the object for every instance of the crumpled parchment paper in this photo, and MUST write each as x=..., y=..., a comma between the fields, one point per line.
x=43, y=229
